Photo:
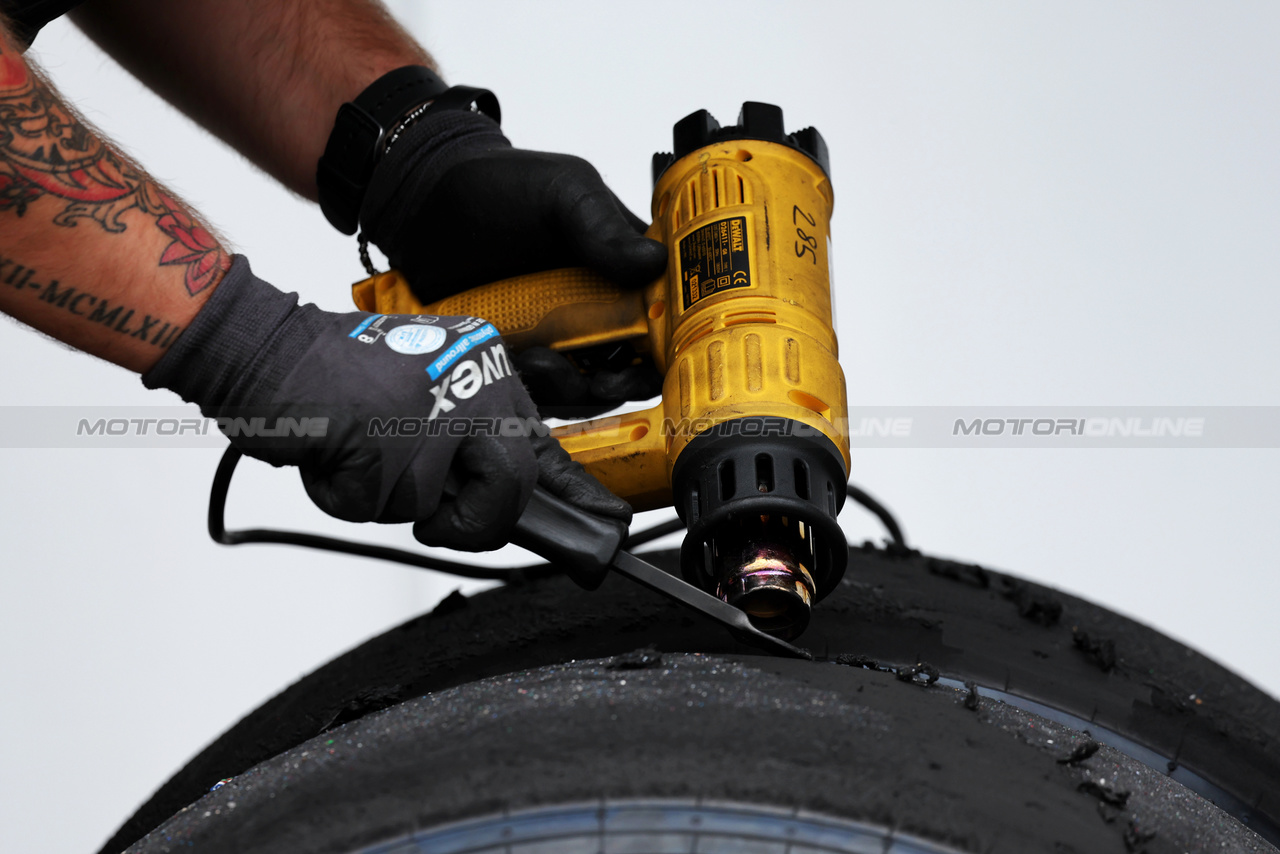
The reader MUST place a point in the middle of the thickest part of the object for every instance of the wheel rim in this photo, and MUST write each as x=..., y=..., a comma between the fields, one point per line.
x=658, y=827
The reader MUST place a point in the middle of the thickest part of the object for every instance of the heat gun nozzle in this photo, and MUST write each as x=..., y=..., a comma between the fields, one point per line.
x=761, y=572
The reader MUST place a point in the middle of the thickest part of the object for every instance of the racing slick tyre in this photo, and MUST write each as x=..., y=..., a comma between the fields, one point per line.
x=540, y=717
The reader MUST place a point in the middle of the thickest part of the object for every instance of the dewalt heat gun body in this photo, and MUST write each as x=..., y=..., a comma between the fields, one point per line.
x=748, y=441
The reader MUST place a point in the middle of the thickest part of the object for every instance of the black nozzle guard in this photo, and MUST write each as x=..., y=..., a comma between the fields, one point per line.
x=756, y=120
x=751, y=467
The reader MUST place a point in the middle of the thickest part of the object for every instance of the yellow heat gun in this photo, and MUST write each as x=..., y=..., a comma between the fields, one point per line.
x=749, y=441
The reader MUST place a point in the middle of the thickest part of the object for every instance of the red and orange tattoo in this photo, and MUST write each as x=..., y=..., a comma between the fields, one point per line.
x=46, y=151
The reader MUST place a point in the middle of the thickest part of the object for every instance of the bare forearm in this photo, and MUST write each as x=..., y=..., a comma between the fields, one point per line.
x=267, y=78
x=92, y=251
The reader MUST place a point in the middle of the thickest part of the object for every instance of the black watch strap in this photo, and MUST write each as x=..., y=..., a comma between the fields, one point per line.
x=356, y=140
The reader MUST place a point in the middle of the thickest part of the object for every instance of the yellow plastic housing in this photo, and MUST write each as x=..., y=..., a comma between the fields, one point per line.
x=740, y=324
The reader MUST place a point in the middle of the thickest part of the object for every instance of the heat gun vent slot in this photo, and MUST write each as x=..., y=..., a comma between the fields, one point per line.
x=702, y=195
x=701, y=332
x=802, y=480
x=764, y=473
x=723, y=184
x=728, y=482
x=750, y=318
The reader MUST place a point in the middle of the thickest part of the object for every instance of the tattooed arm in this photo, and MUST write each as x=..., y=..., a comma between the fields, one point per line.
x=266, y=77
x=92, y=251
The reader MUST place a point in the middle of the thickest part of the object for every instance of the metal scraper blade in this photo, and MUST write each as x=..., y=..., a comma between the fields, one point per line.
x=691, y=597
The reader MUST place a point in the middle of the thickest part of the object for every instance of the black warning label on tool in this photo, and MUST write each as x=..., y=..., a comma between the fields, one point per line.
x=714, y=259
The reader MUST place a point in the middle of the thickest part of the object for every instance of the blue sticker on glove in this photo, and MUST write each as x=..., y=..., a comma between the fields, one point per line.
x=459, y=348
x=364, y=324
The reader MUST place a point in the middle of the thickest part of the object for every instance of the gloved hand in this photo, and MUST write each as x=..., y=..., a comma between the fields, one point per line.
x=376, y=410
x=563, y=391
x=452, y=205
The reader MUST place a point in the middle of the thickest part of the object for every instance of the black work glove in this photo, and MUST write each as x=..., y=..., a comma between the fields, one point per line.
x=452, y=205
x=376, y=411
x=563, y=391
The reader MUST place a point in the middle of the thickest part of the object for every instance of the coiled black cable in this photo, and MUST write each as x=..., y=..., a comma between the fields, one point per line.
x=218, y=531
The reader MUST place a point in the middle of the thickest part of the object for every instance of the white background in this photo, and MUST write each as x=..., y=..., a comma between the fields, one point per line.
x=1048, y=204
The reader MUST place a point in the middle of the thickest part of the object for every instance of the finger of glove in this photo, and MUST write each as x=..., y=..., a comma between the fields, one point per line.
x=551, y=378
x=348, y=490
x=486, y=219
x=560, y=475
x=636, y=382
x=498, y=475
x=417, y=489
x=383, y=483
x=636, y=222
x=603, y=235
x=557, y=387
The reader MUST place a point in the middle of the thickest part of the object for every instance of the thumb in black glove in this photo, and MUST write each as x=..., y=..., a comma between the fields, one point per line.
x=404, y=401
x=453, y=206
x=563, y=391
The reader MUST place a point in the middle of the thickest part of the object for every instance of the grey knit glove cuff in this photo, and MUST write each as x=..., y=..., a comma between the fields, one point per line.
x=239, y=346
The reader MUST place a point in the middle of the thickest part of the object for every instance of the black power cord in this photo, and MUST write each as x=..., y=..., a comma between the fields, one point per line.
x=882, y=513
x=218, y=531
